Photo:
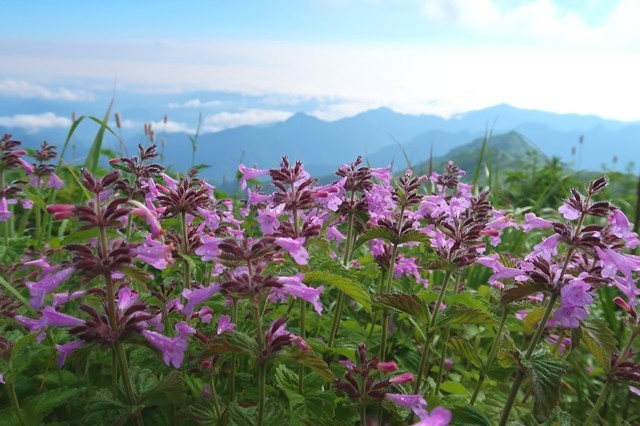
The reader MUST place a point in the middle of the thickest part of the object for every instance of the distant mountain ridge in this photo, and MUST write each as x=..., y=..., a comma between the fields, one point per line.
x=383, y=136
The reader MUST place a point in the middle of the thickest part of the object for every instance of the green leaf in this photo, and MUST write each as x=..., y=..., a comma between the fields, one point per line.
x=374, y=233
x=533, y=317
x=328, y=271
x=192, y=264
x=545, y=375
x=15, y=293
x=12, y=253
x=241, y=416
x=173, y=387
x=234, y=342
x=600, y=341
x=93, y=158
x=407, y=303
x=519, y=291
x=414, y=235
x=456, y=315
x=465, y=350
x=469, y=415
x=47, y=401
x=137, y=275
x=455, y=388
x=311, y=360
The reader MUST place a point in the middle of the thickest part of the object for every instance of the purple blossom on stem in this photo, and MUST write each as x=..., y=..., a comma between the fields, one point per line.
x=46, y=285
x=198, y=296
x=172, y=348
x=5, y=214
x=58, y=319
x=531, y=221
x=293, y=286
x=225, y=325
x=209, y=248
x=249, y=173
x=67, y=349
x=568, y=212
x=155, y=253
x=295, y=248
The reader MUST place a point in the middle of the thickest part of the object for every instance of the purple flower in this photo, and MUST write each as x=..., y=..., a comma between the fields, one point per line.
x=379, y=202
x=209, y=248
x=255, y=198
x=268, y=218
x=172, y=348
x=439, y=416
x=28, y=168
x=548, y=247
x=149, y=215
x=330, y=196
x=383, y=174
x=225, y=325
x=569, y=212
x=401, y=379
x=570, y=316
x=46, y=285
x=67, y=349
x=58, y=319
x=184, y=330
x=60, y=299
x=293, y=286
x=154, y=253
x=196, y=297
x=5, y=214
x=350, y=365
x=249, y=173
x=211, y=219
x=295, y=248
x=612, y=262
x=2, y=378
x=54, y=181
x=26, y=203
x=531, y=221
x=387, y=367
x=576, y=294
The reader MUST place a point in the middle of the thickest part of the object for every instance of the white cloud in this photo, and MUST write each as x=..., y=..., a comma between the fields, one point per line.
x=26, y=90
x=225, y=120
x=35, y=122
x=158, y=126
x=196, y=103
x=538, y=21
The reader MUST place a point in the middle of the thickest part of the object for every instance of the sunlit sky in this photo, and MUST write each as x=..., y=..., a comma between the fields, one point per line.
x=414, y=56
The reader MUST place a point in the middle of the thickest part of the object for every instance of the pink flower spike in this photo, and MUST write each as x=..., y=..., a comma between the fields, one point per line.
x=387, y=367
x=61, y=211
x=153, y=253
x=171, y=182
x=126, y=298
x=184, y=330
x=67, y=349
x=295, y=248
x=249, y=173
x=415, y=403
x=60, y=299
x=28, y=168
x=620, y=225
x=401, y=379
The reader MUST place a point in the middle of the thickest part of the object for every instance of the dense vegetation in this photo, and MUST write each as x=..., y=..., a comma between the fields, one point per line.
x=129, y=296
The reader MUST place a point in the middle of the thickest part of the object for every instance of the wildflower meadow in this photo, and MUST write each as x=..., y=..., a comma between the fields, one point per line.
x=132, y=294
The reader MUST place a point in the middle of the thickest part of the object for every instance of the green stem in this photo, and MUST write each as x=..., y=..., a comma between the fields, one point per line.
x=39, y=229
x=532, y=345
x=605, y=392
x=122, y=361
x=443, y=354
x=6, y=223
x=185, y=251
x=492, y=354
x=341, y=296
x=385, y=311
x=429, y=334
x=303, y=334
x=214, y=394
x=232, y=373
x=11, y=390
x=363, y=414
x=262, y=377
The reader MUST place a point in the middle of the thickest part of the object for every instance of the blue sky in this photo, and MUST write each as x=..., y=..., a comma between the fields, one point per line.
x=332, y=58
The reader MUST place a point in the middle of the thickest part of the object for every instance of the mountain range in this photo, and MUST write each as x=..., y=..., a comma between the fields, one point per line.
x=381, y=136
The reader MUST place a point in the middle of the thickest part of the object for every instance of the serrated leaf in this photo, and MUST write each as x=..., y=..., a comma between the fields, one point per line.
x=600, y=341
x=87, y=234
x=407, y=303
x=374, y=233
x=469, y=415
x=545, y=375
x=190, y=261
x=465, y=350
x=519, y=291
x=234, y=342
x=455, y=388
x=467, y=299
x=173, y=387
x=241, y=416
x=414, y=235
x=137, y=275
x=14, y=250
x=47, y=401
x=313, y=361
x=329, y=272
x=457, y=315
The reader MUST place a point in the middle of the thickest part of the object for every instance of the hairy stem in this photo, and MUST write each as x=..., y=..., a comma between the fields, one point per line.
x=426, y=349
x=347, y=258
x=11, y=390
x=385, y=311
x=492, y=353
